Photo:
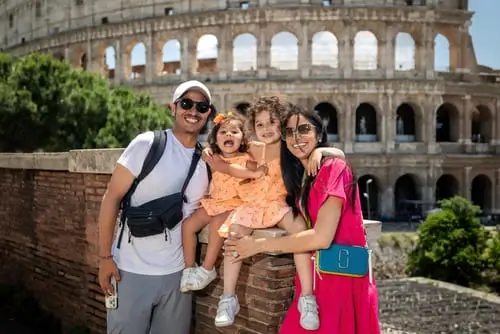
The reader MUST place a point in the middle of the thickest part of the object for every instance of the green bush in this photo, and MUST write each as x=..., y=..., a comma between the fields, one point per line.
x=452, y=245
x=493, y=255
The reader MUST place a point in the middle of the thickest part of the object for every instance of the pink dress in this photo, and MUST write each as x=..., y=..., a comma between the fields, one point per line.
x=347, y=305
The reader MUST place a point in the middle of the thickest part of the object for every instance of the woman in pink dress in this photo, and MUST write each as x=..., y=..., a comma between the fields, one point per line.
x=347, y=305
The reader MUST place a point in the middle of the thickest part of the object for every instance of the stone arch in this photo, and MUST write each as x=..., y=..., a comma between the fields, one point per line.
x=242, y=107
x=441, y=53
x=138, y=58
x=325, y=50
x=368, y=193
x=328, y=114
x=207, y=53
x=171, y=58
x=83, y=61
x=366, y=123
x=407, y=195
x=110, y=62
x=481, y=192
x=406, y=123
x=481, y=124
x=447, y=123
x=245, y=53
x=447, y=186
x=284, y=51
x=404, y=52
x=365, y=51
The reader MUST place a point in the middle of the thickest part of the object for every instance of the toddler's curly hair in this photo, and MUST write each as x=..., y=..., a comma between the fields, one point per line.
x=221, y=119
x=277, y=106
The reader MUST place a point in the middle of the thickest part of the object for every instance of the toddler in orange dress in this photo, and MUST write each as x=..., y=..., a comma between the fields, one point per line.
x=229, y=140
x=264, y=205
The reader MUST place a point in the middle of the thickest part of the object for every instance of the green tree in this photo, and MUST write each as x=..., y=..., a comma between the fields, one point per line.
x=45, y=104
x=130, y=114
x=451, y=245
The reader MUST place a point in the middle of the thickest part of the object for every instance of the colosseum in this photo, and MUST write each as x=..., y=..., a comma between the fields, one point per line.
x=418, y=125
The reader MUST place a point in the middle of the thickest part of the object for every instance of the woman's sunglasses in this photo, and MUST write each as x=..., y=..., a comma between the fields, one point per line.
x=201, y=107
x=301, y=130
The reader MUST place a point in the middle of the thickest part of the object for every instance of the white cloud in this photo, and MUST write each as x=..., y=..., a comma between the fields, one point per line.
x=207, y=47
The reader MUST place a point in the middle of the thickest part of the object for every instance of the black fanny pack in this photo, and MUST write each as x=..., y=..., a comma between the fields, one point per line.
x=161, y=214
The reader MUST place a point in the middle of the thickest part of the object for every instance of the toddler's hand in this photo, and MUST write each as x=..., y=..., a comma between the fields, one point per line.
x=314, y=162
x=261, y=171
x=206, y=154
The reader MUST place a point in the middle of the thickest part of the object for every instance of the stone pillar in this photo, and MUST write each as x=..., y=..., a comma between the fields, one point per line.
x=229, y=61
x=349, y=122
x=388, y=60
x=346, y=52
x=305, y=53
x=263, y=53
x=430, y=126
x=466, y=119
x=150, y=57
x=223, y=49
x=118, y=62
x=496, y=123
x=390, y=127
x=466, y=186
x=428, y=45
x=188, y=56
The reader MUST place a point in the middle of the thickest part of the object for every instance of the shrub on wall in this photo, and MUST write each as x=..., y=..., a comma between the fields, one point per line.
x=47, y=105
x=451, y=245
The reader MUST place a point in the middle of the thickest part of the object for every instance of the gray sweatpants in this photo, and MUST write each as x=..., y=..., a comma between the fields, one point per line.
x=150, y=304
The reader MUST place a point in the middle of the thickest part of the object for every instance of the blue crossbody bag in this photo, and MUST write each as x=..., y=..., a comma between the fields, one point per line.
x=342, y=260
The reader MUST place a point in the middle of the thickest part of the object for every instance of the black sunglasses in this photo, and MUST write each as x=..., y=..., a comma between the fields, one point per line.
x=301, y=130
x=202, y=107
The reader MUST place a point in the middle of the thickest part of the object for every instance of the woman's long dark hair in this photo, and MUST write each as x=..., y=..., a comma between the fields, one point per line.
x=293, y=170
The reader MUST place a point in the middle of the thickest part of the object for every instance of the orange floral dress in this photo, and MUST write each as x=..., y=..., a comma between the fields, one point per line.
x=223, y=195
x=263, y=204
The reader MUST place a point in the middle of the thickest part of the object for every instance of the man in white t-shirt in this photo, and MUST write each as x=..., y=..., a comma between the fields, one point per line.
x=148, y=269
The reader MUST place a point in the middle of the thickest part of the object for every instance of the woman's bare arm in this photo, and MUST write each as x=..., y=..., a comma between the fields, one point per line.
x=320, y=237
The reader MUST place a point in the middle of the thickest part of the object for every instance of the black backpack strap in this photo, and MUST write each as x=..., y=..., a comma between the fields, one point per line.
x=154, y=155
x=192, y=168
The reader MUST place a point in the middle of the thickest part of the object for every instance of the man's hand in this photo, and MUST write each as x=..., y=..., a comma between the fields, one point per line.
x=108, y=269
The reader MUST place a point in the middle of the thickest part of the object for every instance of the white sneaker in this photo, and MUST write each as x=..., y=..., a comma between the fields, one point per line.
x=308, y=308
x=199, y=278
x=186, y=274
x=226, y=311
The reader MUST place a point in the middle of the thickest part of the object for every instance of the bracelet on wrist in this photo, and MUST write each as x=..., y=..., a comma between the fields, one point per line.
x=106, y=257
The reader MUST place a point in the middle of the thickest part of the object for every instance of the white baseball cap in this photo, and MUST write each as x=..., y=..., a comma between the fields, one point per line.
x=184, y=87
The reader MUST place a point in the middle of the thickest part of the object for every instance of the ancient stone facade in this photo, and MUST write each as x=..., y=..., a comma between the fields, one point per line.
x=414, y=132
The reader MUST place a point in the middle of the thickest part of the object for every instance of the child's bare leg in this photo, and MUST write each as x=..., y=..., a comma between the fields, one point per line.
x=232, y=270
x=215, y=241
x=302, y=260
x=192, y=225
x=308, y=308
x=228, y=304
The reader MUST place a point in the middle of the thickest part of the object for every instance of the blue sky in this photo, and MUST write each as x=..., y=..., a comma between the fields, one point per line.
x=485, y=31
x=486, y=45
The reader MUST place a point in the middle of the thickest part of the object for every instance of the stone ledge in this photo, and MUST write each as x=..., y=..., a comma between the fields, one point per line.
x=44, y=161
x=492, y=298
x=373, y=231
x=98, y=161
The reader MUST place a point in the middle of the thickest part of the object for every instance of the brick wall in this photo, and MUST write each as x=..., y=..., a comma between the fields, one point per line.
x=49, y=231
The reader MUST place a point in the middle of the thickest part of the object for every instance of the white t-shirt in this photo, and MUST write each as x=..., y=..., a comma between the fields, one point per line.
x=153, y=255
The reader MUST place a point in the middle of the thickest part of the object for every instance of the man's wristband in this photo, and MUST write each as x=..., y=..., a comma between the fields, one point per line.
x=106, y=257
